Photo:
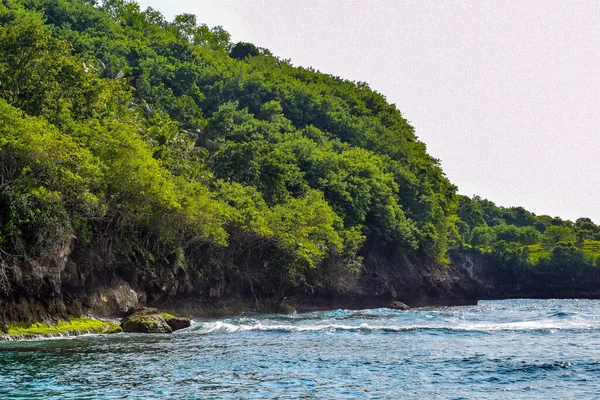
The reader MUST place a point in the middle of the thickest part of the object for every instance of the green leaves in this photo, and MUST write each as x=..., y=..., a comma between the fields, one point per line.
x=38, y=74
x=518, y=239
x=555, y=234
x=46, y=180
x=193, y=150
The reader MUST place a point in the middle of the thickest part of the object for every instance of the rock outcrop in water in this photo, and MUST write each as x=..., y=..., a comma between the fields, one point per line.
x=146, y=320
x=398, y=305
x=150, y=320
x=176, y=323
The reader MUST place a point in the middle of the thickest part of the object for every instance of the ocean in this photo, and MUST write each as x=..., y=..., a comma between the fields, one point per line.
x=509, y=349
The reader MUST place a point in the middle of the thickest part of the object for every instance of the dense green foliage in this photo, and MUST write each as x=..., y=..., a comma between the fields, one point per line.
x=208, y=155
x=519, y=239
x=199, y=152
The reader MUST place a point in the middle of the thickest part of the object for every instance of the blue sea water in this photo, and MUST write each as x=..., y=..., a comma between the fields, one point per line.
x=512, y=349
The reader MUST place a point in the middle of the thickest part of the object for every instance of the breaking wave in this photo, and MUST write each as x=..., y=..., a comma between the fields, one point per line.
x=461, y=319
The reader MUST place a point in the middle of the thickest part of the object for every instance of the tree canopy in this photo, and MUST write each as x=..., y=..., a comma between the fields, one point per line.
x=205, y=154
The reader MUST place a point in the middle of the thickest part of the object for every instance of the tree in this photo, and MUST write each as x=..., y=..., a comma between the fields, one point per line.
x=243, y=50
x=470, y=211
x=528, y=235
x=555, y=234
x=566, y=255
x=38, y=74
x=483, y=236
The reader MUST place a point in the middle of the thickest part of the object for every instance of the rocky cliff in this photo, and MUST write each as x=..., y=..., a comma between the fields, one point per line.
x=501, y=282
x=98, y=280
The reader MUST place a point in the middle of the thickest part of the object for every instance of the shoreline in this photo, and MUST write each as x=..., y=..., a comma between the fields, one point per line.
x=76, y=326
x=101, y=326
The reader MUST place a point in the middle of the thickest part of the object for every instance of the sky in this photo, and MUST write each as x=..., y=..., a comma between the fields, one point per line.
x=506, y=94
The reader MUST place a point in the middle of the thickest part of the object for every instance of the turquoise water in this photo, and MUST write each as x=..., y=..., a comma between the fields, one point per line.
x=513, y=349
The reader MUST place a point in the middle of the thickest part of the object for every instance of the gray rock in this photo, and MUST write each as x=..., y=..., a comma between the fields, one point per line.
x=286, y=308
x=118, y=299
x=398, y=305
x=177, y=323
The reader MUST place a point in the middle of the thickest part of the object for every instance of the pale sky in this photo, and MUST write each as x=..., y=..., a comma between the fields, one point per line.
x=505, y=93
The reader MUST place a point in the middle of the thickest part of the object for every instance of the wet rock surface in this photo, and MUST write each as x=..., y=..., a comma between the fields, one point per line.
x=398, y=305
x=177, y=323
x=150, y=320
x=145, y=320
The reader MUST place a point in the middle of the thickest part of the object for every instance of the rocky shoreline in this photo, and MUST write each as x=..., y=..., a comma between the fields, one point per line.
x=97, y=281
x=138, y=320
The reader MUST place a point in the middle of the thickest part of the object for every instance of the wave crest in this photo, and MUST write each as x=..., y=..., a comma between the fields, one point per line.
x=276, y=326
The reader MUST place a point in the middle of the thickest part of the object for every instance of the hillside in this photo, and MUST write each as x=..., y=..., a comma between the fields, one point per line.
x=154, y=161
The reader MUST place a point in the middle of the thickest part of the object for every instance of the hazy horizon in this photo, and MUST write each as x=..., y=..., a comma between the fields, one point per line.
x=505, y=94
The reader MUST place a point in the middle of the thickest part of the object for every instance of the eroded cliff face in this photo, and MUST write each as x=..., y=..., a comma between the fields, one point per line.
x=98, y=280
x=501, y=283
x=77, y=280
x=31, y=289
x=416, y=286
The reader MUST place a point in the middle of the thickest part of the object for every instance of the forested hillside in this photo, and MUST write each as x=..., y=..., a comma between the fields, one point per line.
x=219, y=159
x=517, y=239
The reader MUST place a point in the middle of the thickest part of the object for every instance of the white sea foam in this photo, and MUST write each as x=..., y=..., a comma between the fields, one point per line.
x=228, y=326
x=510, y=315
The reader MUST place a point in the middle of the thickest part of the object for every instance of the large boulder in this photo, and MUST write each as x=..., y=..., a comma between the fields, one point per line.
x=176, y=323
x=145, y=320
x=286, y=308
